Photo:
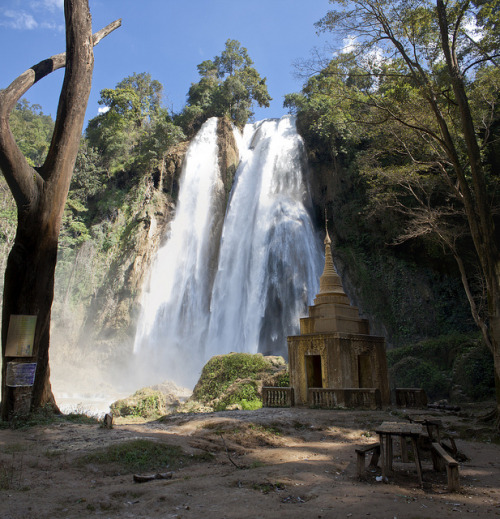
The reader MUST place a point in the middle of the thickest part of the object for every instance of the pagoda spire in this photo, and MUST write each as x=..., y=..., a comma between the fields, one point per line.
x=329, y=282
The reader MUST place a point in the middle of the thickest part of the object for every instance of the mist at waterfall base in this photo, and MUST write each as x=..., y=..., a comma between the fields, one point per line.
x=235, y=279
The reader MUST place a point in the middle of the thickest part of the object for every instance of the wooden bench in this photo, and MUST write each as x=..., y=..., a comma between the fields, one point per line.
x=410, y=397
x=361, y=452
x=441, y=460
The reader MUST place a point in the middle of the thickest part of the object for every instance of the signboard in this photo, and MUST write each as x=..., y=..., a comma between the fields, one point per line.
x=20, y=336
x=20, y=374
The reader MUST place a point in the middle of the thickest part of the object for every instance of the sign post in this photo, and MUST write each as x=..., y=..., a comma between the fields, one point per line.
x=21, y=365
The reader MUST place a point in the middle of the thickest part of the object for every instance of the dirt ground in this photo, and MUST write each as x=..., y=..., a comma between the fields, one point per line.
x=293, y=463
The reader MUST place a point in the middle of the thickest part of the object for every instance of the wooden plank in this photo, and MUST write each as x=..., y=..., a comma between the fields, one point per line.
x=451, y=466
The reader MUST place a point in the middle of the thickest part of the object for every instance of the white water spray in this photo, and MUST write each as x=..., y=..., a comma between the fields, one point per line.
x=176, y=302
x=269, y=259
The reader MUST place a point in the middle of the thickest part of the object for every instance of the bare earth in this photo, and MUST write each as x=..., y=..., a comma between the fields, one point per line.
x=290, y=463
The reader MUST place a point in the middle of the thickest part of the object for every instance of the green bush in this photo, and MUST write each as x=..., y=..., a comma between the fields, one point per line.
x=251, y=405
x=441, y=351
x=474, y=373
x=283, y=379
x=436, y=364
x=222, y=370
x=235, y=380
x=239, y=394
x=414, y=372
x=145, y=403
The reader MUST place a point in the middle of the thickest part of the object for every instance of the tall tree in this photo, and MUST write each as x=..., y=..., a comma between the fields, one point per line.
x=423, y=53
x=229, y=86
x=40, y=195
x=135, y=127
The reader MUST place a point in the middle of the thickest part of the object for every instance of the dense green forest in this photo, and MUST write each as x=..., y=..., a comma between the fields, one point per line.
x=401, y=234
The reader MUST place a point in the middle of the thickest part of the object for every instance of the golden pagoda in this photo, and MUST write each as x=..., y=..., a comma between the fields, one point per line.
x=335, y=362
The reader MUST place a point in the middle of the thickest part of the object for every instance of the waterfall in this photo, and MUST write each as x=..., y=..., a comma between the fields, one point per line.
x=176, y=302
x=245, y=288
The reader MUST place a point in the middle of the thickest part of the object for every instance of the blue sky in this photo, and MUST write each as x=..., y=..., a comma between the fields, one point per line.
x=168, y=39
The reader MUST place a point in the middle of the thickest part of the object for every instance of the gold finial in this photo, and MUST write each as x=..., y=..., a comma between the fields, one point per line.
x=327, y=237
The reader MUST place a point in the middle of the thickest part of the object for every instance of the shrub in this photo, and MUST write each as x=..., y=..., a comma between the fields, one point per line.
x=222, y=370
x=441, y=351
x=145, y=403
x=235, y=380
x=237, y=393
x=414, y=372
x=282, y=379
x=474, y=372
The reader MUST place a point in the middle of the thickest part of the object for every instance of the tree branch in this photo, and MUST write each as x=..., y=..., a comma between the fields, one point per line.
x=18, y=173
x=10, y=95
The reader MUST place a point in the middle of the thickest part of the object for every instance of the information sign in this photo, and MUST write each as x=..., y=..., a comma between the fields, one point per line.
x=20, y=336
x=20, y=374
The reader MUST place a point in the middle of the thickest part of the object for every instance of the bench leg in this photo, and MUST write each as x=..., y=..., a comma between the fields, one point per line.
x=417, y=460
x=383, y=456
x=360, y=464
x=453, y=479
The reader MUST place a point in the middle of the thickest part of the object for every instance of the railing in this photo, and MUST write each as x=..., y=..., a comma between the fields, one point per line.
x=277, y=396
x=410, y=397
x=345, y=397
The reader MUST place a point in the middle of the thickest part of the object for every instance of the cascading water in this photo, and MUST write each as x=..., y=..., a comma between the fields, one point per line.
x=176, y=303
x=268, y=264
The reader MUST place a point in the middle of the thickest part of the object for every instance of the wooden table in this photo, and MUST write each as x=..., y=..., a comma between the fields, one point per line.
x=386, y=432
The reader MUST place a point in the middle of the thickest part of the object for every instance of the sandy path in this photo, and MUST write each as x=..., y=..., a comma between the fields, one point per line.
x=294, y=463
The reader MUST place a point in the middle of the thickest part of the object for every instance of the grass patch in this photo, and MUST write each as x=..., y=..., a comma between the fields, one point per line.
x=267, y=488
x=142, y=455
x=250, y=405
x=46, y=416
x=6, y=476
x=274, y=430
x=257, y=464
x=14, y=448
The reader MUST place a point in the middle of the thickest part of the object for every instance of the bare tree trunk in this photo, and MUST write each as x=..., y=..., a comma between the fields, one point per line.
x=478, y=212
x=40, y=196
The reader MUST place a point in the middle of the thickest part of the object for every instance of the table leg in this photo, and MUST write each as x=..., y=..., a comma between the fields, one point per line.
x=390, y=454
x=417, y=460
x=404, y=449
x=382, y=456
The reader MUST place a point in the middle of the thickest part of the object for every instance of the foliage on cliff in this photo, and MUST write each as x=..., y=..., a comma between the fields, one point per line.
x=134, y=130
x=125, y=179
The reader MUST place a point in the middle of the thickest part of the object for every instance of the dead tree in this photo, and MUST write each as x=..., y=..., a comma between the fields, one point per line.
x=40, y=195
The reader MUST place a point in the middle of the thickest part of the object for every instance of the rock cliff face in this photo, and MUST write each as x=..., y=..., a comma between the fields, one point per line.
x=110, y=320
x=228, y=154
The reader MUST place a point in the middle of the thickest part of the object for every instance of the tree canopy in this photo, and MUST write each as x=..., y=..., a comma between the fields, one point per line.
x=134, y=127
x=229, y=86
